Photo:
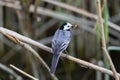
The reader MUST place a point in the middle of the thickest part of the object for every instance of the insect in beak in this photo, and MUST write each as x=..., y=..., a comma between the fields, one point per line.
x=75, y=26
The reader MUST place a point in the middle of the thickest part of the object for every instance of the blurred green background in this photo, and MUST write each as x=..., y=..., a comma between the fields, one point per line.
x=39, y=19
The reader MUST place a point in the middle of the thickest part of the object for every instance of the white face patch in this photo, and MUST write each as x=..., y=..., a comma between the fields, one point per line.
x=67, y=27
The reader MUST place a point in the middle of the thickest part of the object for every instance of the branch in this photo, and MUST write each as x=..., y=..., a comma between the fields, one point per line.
x=24, y=73
x=10, y=71
x=43, y=47
x=103, y=40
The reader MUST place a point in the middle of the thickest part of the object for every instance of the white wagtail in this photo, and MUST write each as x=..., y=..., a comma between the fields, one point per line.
x=60, y=42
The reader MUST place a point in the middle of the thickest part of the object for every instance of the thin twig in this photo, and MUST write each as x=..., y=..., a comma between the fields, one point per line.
x=43, y=47
x=103, y=40
x=10, y=71
x=35, y=10
x=26, y=74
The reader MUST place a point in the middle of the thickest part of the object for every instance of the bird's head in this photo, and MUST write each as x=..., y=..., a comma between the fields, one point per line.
x=66, y=26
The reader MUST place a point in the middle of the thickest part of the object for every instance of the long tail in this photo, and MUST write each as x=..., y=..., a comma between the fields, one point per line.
x=54, y=63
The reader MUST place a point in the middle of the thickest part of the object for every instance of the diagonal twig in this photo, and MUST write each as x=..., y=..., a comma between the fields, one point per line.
x=103, y=40
x=10, y=71
x=26, y=74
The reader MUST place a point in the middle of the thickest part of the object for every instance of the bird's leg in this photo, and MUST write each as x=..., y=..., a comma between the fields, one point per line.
x=66, y=51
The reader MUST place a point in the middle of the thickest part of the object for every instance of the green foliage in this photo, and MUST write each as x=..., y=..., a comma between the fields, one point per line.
x=105, y=17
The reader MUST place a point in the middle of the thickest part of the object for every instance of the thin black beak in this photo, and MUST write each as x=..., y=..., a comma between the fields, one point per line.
x=72, y=26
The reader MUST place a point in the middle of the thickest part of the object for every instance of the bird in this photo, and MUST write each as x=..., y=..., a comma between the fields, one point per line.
x=60, y=42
